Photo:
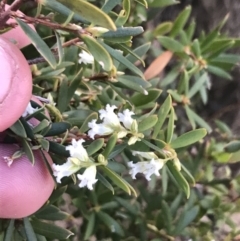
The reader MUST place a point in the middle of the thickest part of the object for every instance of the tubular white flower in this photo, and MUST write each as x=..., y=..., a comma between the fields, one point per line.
x=109, y=125
x=29, y=110
x=126, y=118
x=147, y=168
x=99, y=129
x=77, y=150
x=88, y=178
x=71, y=166
x=86, y=58
x=109, y=117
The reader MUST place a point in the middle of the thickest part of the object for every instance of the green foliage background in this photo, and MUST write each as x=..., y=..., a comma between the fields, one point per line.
x=188, y=204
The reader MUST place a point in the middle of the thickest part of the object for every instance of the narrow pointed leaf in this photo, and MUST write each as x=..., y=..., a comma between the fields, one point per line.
x=49, y=230
x=99, y=53
x=38, y=43
x=120, y=58
x=162, y=115
x=188, y=138
x=29, y=230
x=179, y=178
x=90, y=12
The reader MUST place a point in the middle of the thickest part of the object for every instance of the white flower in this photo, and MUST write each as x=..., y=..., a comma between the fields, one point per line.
x=88, y=178
x=98, y=129
x=29, y=110
x=109, y=117
x=85, y=58
x=77, y=150
x=126, y=118
x=71, y=166
x=109, y=125
x=147, y=168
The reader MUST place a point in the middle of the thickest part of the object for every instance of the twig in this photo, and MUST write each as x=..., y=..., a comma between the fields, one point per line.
x=6, y=15
x=46, y=22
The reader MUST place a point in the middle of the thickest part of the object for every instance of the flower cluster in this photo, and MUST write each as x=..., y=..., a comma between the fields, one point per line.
x=111, y=123
x=149, y=167
x=78, y=159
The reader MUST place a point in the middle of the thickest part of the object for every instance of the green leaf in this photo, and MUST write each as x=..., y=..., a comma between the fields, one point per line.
x=206, y=43
x=123, y=32
x=28, y=129
x=165, y=178
x=95, y=146
x=116, y=167
x=28, y=151
x=111, y=223
x=191, y=30
x=188, y=175
x=133, y=82
x=117, y=150
x=38, y=43
x=9, y=231
x=196, y=48
x=204, y=78
x=51, y=212
x=29, y=230
x=139, y=100
x=117, y=180
x=89, y=12
x=177, y=97
x=163, y=28
x=49, y=230
x=99, y=53
x=180, y=21
x=110, y=145
x=170, y=44
x=58, y=149
x=58, y=128
x=62, y=96
x=219, y=72
x=147, y=123
x=59, y=47
x=199, y=120
x=168, y=219
x=232, y=146
x=190, y=116
x=105, y=182
x=185, y=219
x=188, y=138
x=179, y=178
x=41, y=126
x=124, y=13
x=127, y=205
x=90, y=226
x=139, y=51
x=18, y=129
x=60, y=8
x=224, y=129
x=143, y=2
x=170, y=76
x=162, y=3
x=176, y=203
x=57, y=193
x=162, y=115
x=120, y=58
x=109, y=5
x=170, y=128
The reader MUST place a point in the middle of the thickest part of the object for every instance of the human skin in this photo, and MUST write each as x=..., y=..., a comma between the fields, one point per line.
x=15, y=82
x=24, y=187
x=16, y=35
